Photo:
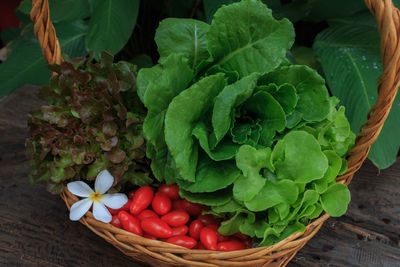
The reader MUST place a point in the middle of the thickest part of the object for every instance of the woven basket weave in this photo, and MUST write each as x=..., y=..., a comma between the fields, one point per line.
x=165, y=254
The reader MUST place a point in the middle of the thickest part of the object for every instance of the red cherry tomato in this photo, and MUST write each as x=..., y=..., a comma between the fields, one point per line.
x=177, y=204
x=116, y=222
x=207, y=219
x=172, y=191
x=141, y=199
x=193, y=209
x=176, y=218
x=156, y=227
x=130, y=223
x=161, y=204
x=230, y=246
x=208, y=238
x=220, y=237
x=131, y=194
x=124, y=207
x=180, y=230
x=195, y=228
x=183, y=241
x=145, y=214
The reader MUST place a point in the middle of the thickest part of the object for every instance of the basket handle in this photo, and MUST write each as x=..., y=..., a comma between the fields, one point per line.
x=388, y=20
x=44, y=31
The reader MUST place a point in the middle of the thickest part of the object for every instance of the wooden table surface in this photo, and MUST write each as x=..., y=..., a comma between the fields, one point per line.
x=35, y=229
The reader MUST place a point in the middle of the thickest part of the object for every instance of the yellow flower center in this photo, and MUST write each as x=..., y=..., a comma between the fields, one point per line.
x=95, y=197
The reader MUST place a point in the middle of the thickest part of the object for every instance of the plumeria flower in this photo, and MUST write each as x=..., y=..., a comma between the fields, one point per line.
x=104, y=181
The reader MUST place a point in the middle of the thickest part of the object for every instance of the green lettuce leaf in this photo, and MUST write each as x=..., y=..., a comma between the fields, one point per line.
x=182, y=114
x=298, y=157
x=335, y=200
x=248, y=45
x=186, y=36
x=250, y=161
x=271, y=194
x=313, y=99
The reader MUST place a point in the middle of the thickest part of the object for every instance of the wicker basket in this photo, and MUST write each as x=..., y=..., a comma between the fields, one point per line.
x=165, y=254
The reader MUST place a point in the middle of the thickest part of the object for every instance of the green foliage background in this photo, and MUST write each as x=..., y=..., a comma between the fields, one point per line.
x=338, y=38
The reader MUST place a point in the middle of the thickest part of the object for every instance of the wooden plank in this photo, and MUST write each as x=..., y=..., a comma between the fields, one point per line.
x=35, y=229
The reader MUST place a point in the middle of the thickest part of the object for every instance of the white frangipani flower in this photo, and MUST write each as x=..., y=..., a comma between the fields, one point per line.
x=104, y=181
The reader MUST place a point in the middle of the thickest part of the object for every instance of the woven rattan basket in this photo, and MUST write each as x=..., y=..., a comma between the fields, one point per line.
x=165, y=254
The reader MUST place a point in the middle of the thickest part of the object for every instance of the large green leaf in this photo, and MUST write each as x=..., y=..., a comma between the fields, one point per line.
x=216, y=198
x=313, y=103
x=350, y=58
x=211, y=176
x=186, y=36
x=111, y=25
x=25, y=64
x=246, y=45
x=183, y=113
x=230, y=97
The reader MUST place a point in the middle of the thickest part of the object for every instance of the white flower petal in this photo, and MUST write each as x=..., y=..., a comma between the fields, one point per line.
x=79, y=188
x=78, y=209
x=101, y=213
x=103, y=182
x=114, y=201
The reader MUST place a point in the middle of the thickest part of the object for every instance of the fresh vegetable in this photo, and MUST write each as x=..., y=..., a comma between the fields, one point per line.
x=142, y=199
x=145, y=214
x=230, y=246
x=156, y=227
x=172, y=191
x=183, y=241
x=115, y=221
x=92, y=121
x=195, y=229
x=161, y=203
x=208, y=238
x=185, y=228
x=176, y=218
x=180, y=230
x=241, y=129
x=193, y=209
x=130, y=223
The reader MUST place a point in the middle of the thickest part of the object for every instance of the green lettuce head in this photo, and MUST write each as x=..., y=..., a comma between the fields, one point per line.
x=239, y=128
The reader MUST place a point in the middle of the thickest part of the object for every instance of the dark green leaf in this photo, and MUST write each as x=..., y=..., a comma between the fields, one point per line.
x=350, y=58
x=183, y=113
x=313, y=102
x=219, y=197
x=248, y=45
x=111, y=25
x=25, y=64
x=186, y=36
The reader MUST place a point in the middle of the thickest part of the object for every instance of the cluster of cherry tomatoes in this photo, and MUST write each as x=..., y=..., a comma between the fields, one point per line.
x=165, y=216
